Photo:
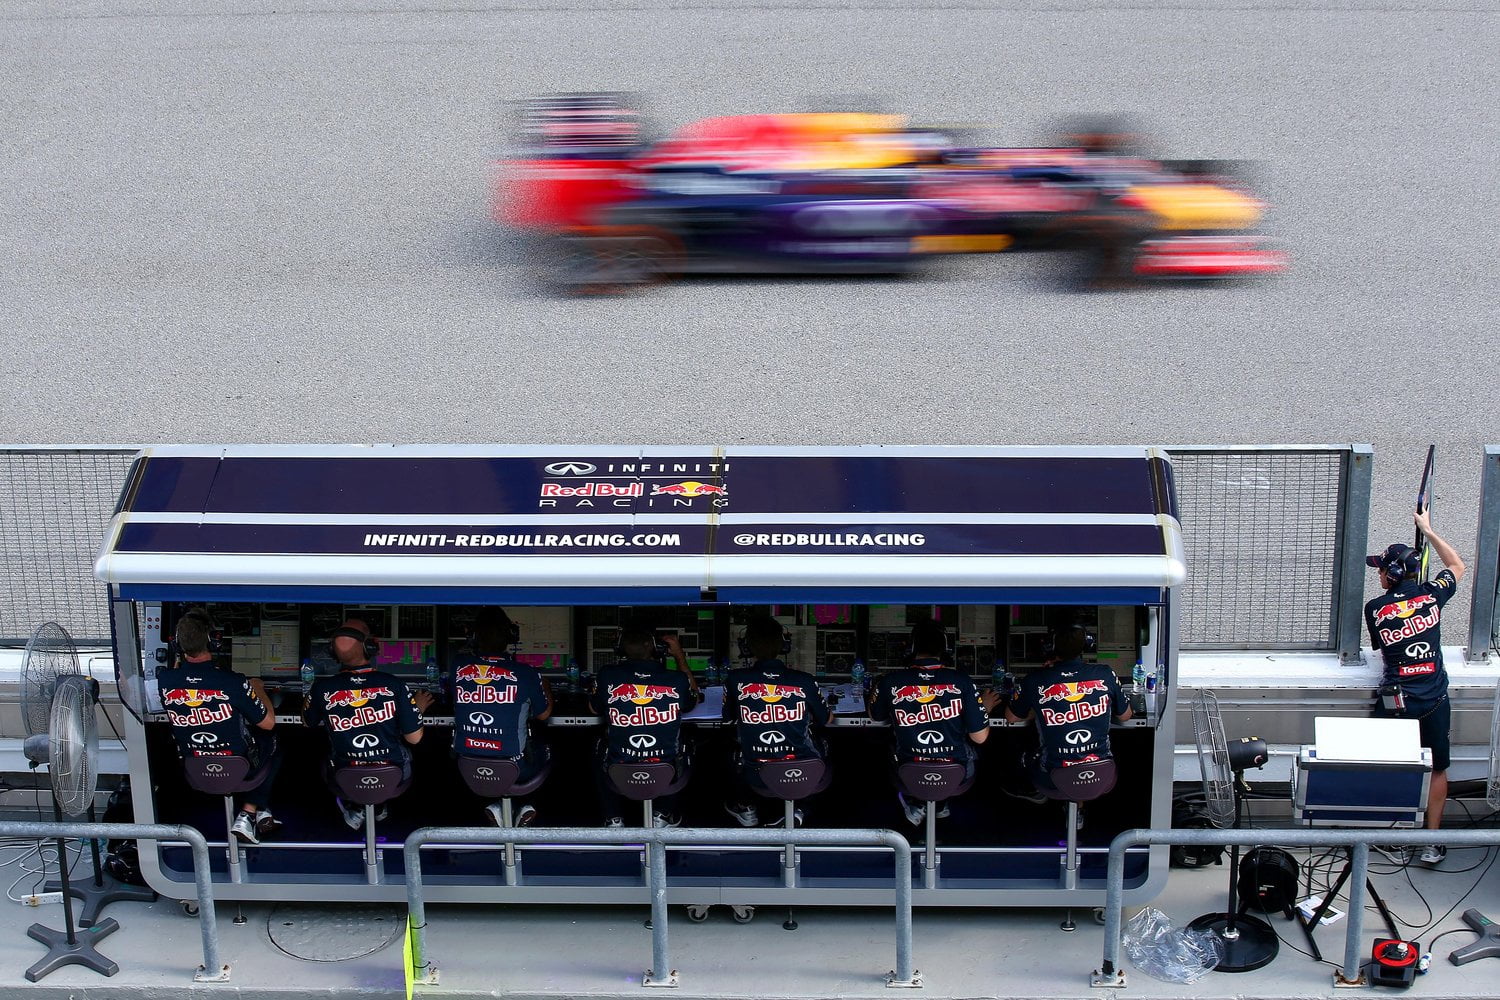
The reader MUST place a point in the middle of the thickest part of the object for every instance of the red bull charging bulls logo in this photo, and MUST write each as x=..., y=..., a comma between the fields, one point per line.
x=690, y=488
x=193, y=707
x=356, y=710
x=488, y=691
x=1077, y=696
x=1409, y=613
x=783, y=704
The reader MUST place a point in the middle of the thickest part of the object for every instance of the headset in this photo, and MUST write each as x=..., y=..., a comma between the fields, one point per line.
x=786, y=643
x=372, y=645
x=216, y=644
x=1090, y=641
x=945, y=654
x=512, y=632
x=659, y=649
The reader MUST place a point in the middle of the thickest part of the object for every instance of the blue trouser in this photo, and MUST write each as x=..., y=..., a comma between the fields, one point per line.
x=263, y=751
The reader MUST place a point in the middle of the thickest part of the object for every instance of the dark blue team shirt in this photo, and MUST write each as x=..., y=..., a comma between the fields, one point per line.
x=366, y=713
x=932, y=710
x=1072, y=704
x=772, y=708
x=493, y=699
x=642, y=704
x=211, y=710
x=1404, y=626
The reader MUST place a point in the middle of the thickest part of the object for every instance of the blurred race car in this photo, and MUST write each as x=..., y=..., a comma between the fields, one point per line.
x=837, y=192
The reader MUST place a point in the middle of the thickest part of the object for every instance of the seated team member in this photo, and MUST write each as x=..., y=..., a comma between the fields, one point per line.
x=642, y=702
x=935, y=712
x=494, y=697
x=370, y=715
x=220, y=713
x=1072, y=703
x=769, y=699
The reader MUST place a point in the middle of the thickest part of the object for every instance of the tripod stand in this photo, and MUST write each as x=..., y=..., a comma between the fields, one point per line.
x=1310, y=924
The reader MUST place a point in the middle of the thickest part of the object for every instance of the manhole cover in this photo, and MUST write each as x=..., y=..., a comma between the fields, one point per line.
x=330, y=933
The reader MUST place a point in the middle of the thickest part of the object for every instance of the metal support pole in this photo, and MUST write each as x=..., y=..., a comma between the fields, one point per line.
x=212, y=970
x=510, y=848
x=1359, y=867
x=1486, y=561
x=1070, y=858
x=929, y=865
x=656, y=842
x=234, y=844
x=372, y=869
x=1350, y=570
x=661, y=972
x=789, y=874
x=1109, y=974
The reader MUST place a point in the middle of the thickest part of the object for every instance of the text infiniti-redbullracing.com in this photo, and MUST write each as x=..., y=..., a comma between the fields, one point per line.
x=541, y=541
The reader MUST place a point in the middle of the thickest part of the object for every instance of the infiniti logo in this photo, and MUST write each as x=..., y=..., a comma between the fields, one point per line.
x=365, y=740
x=570, y=469
x=642, y=740
x=1085, y=775
x=204, y=738
x=640, y=776
x=772, y=736
x=213, y=768
x=932, y=777
x=485, y=772
x=369, y=779
x=794, y=772
x=1419, y=649
x=1076, y=736
x=481, y=718
x=928, y=737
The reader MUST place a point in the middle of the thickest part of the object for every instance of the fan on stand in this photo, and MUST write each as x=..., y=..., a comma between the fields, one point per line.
x=1249, y=942
x=58, y=703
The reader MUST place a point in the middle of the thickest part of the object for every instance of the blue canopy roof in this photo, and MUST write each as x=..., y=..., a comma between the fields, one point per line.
x=645, y=525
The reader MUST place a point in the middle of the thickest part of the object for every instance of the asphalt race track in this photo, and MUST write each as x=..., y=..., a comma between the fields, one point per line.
x=270, y=226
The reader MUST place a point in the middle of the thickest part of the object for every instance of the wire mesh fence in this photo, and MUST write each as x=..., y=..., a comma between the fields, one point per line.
x=55, y=504
x=1263, y=535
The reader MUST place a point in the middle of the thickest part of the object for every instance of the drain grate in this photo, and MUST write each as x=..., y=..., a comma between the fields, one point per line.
x=331, y=933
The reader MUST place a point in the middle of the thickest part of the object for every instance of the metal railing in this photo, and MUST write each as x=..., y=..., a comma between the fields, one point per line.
x=656, y=842
x=212, y=970
x=1305, y=510
x=1484, y=623
x=1110, y=975
x=56, y=504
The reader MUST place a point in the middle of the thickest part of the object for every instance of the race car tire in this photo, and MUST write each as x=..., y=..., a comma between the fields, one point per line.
x=605, y=261
x=1101, y=249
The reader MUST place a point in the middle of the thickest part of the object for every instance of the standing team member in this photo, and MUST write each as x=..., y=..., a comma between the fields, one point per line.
x=642, y=703
x=936, y=713
x=370, y=715
x=1404, y=626
x=773, y=709
x=494, y=697
x=1072, y=703
x=220, y=713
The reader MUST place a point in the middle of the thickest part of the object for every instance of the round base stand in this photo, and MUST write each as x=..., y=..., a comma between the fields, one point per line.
x=81, y=952
x=1255, y=946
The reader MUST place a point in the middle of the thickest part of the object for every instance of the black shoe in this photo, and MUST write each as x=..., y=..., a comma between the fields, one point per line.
x=1031, y=796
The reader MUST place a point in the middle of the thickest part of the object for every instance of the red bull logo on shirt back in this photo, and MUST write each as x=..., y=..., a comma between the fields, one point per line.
x=1070, y=691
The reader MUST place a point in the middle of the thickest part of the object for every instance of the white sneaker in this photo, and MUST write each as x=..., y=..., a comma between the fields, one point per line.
x=354, y=818
x=1432, y=854
x=665, y=821
x=916, y=812
x=943, y=811
x=266, y=825
x=1395, y=855
x=743, y=815
x=614, y=823
x=526, y=816
x=244, y=828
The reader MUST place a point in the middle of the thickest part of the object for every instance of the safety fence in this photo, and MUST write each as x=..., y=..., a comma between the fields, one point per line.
x=212, y=970
x=1111, y=975
x=1484, y=621
x=1303, y=510
x=656, y=841
x=54, y=506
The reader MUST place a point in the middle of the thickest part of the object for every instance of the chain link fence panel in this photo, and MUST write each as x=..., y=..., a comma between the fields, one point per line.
x=55, y=504
x=1263, y=531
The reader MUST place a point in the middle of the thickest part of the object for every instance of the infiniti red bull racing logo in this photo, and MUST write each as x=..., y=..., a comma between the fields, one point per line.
x=773, y=695
x=483, y=673
x=644, y=697
x=358, y=712
x=1414, y=626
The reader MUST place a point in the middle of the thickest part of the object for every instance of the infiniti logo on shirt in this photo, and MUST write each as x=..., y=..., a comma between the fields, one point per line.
x=365, y=740
x=642, y=740
x=481, y=718
x=929, y=737
x=1077, y=736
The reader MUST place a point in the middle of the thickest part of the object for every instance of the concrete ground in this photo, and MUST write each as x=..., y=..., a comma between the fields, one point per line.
x=546, y=952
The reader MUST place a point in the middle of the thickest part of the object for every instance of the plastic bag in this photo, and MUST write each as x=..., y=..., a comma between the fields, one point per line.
x=1163, y=952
